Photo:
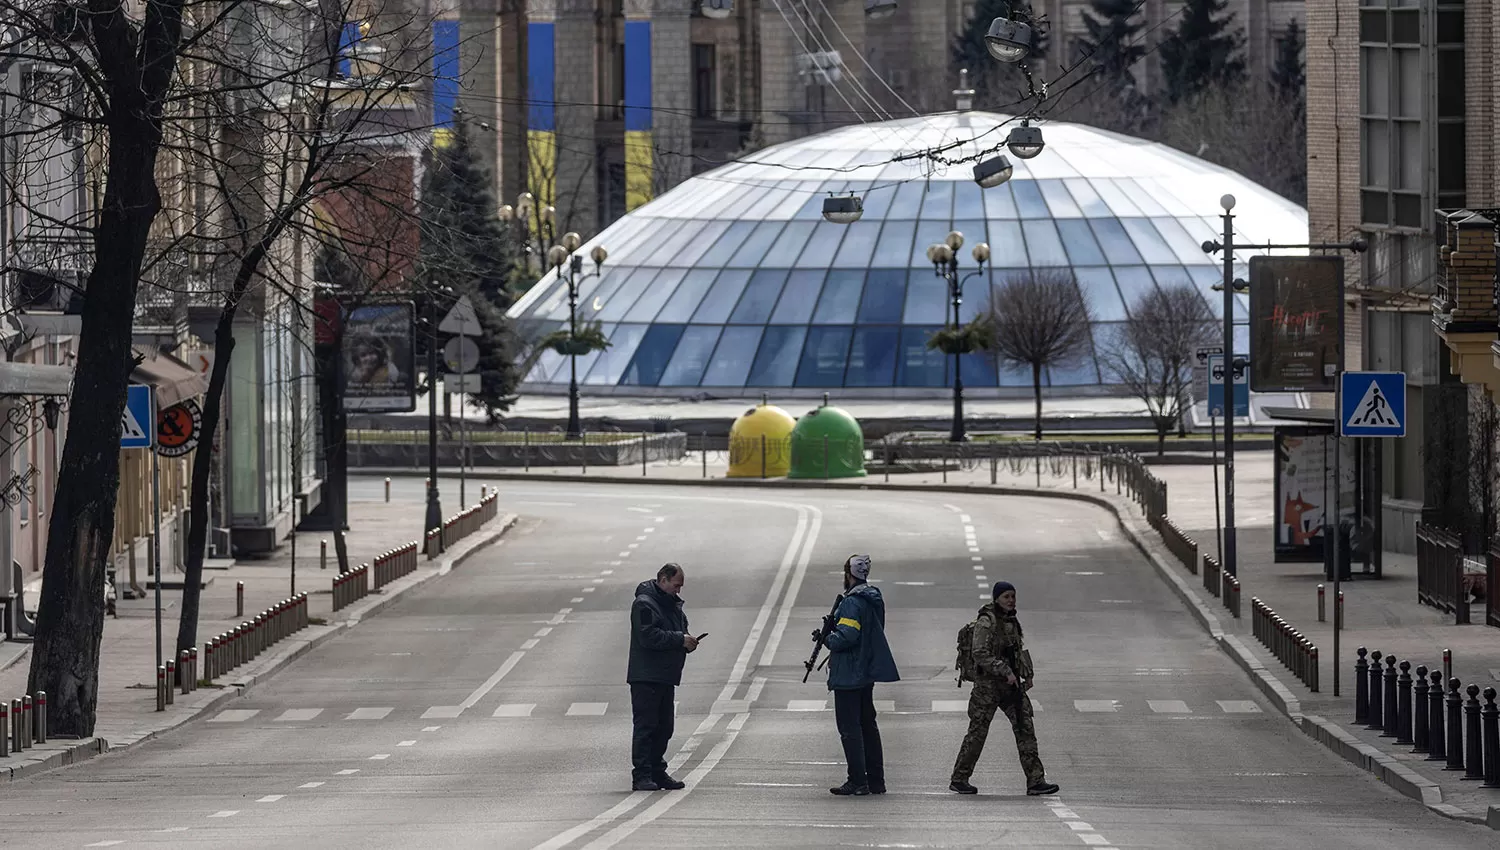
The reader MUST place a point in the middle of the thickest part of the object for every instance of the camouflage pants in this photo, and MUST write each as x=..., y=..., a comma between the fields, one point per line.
x=986, y=698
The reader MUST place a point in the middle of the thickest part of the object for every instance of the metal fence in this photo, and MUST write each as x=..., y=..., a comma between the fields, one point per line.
x=1290, y=646
x=1440, y=571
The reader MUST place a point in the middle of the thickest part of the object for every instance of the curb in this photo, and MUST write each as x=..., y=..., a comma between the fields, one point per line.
x=89, y=748
x=1335, y=738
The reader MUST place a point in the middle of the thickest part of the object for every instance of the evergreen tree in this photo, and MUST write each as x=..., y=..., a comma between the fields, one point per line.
x=1111, y=43
x=1203, y=51
x=995, y=84
x=465, y=251
x=1289, y=74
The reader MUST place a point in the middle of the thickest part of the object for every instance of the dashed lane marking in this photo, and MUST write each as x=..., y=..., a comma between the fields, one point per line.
x=807, y=705
x=110, y=843
x=1096, y=705
x=543, y=632
x=521, y=709
x=369, y=713
x=380, y=757
x=952, y=705
x=530, y=644
x=964, y=518
x=270, y=798
x=575, y=600
x=1169, y=706
x=311, y=785
x=648, y=531
x=226, y=813
x=1079, y=826
x=348, y=771
x=888, y=705
x=407, y=744
x=587, y=709
x=442, y=711
x=597, y=581
x=293, y=715
x=955, y=508
x=586, y=590
x=235, y=715
x=431, y=728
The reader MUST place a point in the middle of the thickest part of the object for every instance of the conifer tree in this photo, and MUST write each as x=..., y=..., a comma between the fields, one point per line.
x=1289, y=74
x=1112, y=45
x=1203, y=51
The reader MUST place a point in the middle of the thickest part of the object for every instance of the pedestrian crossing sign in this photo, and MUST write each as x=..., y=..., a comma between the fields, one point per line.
x=1372, y=404
x=138, y=420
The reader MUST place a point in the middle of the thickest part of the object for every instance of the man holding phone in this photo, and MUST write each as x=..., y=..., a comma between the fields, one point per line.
x=659, y=644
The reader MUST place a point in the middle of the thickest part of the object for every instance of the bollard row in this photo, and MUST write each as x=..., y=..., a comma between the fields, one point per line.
x=1231, y=596
x=229, y=650
x=1211, y=573
x=351, y=586
x=1419, y=710
x=395, y=564
x=23, y=723
x=1290, y=646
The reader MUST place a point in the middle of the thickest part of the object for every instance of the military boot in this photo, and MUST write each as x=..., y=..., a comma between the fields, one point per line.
x=1043, y=787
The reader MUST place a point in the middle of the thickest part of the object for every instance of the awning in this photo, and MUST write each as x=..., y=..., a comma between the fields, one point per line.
x=35, y=379
x=1301, y=414
x=174, y=380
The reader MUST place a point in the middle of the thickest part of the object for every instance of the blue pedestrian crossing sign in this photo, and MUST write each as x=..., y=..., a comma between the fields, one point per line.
x=1372, y=404
x=138, y=421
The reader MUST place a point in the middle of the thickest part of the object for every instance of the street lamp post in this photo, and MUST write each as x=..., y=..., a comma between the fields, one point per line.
x=944, y=257
x=569, y=267
x=434, y=508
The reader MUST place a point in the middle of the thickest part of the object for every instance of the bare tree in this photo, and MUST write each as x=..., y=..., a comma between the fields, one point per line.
x=1040, y=318
x=1151, y=353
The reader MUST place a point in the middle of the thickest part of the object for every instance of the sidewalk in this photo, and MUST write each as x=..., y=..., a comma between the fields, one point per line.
x=1379, y=614
x=126, y=712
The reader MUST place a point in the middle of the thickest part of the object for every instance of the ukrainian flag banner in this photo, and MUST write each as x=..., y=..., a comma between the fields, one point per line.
x=639, y=144
x=541, y=115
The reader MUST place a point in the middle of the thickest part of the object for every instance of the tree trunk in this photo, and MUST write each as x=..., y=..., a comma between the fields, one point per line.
x=1161, y=440
x=1036, y=391
x=198, y=518
x=70, y=613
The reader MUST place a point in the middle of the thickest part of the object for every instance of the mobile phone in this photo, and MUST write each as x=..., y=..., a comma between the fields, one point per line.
x=701, y=637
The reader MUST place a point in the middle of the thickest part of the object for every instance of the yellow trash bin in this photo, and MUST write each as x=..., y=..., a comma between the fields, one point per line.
x=760, y=442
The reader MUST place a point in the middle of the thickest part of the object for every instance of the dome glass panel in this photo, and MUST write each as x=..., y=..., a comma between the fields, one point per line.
x=733, y=282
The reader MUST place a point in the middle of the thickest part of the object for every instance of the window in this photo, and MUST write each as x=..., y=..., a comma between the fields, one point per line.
x=1412, y=137
x=705, y=81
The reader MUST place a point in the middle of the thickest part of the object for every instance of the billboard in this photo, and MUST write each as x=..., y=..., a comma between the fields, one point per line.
x=379, y=360
x=1303, y=492
x=1296, y=323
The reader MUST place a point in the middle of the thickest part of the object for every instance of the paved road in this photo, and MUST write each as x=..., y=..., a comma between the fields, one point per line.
x=488, y=709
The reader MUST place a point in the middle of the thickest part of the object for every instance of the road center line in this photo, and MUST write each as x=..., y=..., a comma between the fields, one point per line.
x=786, y=608
x=492, y=681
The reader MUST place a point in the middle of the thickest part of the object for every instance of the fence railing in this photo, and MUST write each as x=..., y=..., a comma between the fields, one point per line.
x=1290, y=647
x=1430, y=713
x=1440, y=571
x=230, y=649
x=1183, y=547
x=358, y=583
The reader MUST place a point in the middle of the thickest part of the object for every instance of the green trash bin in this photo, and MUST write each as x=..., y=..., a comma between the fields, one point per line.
x=827, y=443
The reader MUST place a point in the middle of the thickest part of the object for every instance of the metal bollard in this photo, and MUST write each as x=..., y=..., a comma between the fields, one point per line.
x=1321, y=617
x=1388, y=711
x=1473, y=737
x=1436, y=751
x=323, y=547
x=1338, y=611
x=1361, y=686
x=1490, y=721
x=170, y=680
x=41, y=717
x=1455, y=726
x=239, y=599
x=388, y=489
x=208, y=660
x=24, y=721
x=1403, y=704
x=1419, y=711
x=182, y=672
x=4, y=729
x=161, y=687
x=1313, y=667
x=16, y=744
x=1372, y=718
x=1447, y=664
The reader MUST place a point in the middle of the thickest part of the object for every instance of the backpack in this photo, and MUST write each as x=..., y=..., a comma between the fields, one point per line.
x=967, y=670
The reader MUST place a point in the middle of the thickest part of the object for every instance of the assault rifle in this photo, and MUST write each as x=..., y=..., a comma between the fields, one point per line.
x=821, y=635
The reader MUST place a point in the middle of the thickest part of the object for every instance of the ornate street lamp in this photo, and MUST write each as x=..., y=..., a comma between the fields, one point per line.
x=570, y=269
x=944, y=258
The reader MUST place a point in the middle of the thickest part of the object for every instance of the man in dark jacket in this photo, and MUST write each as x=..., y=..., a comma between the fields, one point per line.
x=659, y=644
x=858, y=658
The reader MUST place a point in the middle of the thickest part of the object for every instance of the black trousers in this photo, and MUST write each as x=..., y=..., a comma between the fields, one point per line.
x=854, y=711
x=652, y=713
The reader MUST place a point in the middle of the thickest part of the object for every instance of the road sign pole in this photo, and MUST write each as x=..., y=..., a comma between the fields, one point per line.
x=1338, y=494
x=1229, y=563
x=155, y=521
x=463, y=430
x=1213, y=438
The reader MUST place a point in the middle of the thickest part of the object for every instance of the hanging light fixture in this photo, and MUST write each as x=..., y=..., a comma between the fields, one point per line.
x=1007, y=40
x=845, y=210
x=1025, y=141
x=993, y=172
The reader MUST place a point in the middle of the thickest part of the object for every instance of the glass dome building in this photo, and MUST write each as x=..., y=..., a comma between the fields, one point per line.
x=732, y=283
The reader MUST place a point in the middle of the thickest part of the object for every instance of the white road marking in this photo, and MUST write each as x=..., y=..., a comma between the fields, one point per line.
x=1084, y=574
x=585, y=590
x=1238, y=706
x=964, y=518
x=640, y=537
x=515, y=709
x=293, y=715
x=973, y=548
x=491, y=682
x=805, y=541
x=587, y=709
x=660, y=519
x=597, y=581
x=226, y=813
x=986, y=597
x=978, y=567
x=270, y=798
x=105, y=843
x=380, y=757
x=530, y=644
x=885, y=705
x=347, y=771
x=807, y=705
x=566, y=611
x=1096, y=705
x=615, y=563
x=368, y=714
x=640, y=510
x=1064, y=812
x=543, y=632
x=1079, y=826
x=975, y=558
x=606, y=572
x=1103, y=535
x=575, y=600
x=443, y=711
x=958, y=705
x=311, y=785
x=431, y=728
x=624, y=555
x=1169, y=706
x=956, y=509
x=234, y=715
x=913, y=583
x=1093, y=839
x=174, y=829
x=633, y=546
x=407, y=744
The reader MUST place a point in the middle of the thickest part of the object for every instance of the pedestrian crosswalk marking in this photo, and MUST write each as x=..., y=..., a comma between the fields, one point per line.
x=1169, y=706
x=885, y=705
x=293, y=715
x=1238, y=706
x=441, y=711
x=517, y=709
x=369, y=713
x=235, y=715
x=1096, y=705
x=587, y=709
x=959, y=705
x=807, y=705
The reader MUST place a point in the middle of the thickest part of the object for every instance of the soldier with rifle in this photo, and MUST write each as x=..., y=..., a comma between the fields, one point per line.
x=859, y=656
x=992, y=655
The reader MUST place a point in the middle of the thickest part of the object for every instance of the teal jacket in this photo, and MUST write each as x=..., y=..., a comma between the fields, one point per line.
x=858, y=652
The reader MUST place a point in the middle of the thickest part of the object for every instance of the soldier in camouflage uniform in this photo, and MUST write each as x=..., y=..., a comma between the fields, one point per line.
x=1003, y=675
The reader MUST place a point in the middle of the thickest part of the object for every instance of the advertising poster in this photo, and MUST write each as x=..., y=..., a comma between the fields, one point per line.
x=1296, y=323
x=379, y=363
x=1303, y=491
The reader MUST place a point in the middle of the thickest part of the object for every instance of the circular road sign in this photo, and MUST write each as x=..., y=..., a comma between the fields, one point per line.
x=461, y=354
